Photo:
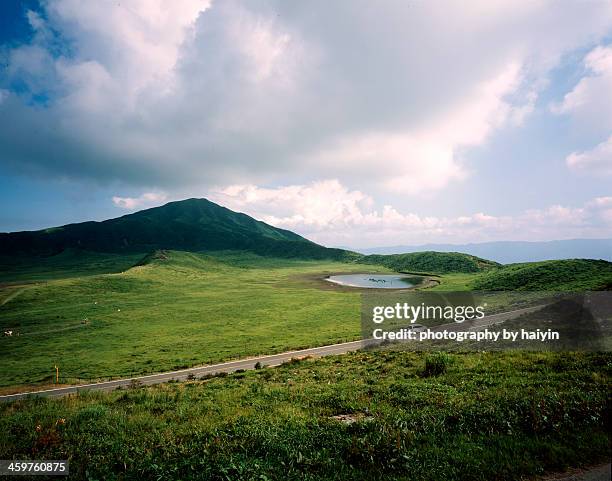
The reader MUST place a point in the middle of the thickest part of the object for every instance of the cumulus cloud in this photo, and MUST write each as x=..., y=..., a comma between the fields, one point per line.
x=317, y=205
x=603, y=207
x=596, y=161
x=174, y=94
x=331, y=214
x=148, y=199
x=590, y=101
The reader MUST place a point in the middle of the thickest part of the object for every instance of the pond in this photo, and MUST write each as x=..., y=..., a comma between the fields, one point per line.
x=376, y=281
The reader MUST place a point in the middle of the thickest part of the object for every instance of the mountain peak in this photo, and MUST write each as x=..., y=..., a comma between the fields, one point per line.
x=191, y=224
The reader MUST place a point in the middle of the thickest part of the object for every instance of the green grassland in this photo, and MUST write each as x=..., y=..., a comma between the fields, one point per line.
x=174, y=310
x=97, y=318
x=366, y=415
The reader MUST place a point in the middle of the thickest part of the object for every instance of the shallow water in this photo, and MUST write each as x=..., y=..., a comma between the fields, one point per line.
x=373, y=281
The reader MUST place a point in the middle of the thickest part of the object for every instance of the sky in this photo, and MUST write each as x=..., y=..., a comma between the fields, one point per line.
x=354, y=123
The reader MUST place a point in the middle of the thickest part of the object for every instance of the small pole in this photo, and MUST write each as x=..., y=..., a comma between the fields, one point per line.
x=56, y=374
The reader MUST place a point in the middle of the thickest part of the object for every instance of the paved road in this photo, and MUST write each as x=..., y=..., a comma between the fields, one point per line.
x=270, y=360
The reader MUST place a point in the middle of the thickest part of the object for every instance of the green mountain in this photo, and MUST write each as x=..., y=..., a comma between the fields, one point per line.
x=196, y=225
x=189, y=225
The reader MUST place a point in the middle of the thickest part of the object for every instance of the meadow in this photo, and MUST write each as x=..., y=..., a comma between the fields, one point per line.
x=376, y=414
x=175, y=310
x=365, y=415
x=101, y=316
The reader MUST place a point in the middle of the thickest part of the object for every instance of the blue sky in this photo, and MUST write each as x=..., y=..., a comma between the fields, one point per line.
x=356, y=124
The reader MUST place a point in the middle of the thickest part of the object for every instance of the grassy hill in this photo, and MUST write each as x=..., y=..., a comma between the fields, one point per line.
x=431, y=262
x=188, y=225
x=573, y=274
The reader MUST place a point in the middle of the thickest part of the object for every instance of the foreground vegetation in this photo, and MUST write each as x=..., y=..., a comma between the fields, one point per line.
x=367, y=415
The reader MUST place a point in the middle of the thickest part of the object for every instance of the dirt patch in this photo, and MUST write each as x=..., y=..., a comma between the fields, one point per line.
x=352, y=418
x=595, y=473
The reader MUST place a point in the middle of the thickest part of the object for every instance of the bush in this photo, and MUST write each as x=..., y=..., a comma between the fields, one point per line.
x=258, y=365
x=436, y=364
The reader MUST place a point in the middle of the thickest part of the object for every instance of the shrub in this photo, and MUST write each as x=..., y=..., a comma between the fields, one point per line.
x=436, y=364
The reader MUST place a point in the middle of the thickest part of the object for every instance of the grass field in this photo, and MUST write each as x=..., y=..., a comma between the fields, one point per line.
x=366, y=415
x=176, y=310
x=100, y=316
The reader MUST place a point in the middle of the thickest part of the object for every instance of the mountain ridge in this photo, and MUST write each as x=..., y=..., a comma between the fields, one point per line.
x=191, y=224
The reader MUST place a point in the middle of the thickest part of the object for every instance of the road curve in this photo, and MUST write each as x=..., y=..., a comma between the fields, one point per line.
x=231, y=366
x=184, y=374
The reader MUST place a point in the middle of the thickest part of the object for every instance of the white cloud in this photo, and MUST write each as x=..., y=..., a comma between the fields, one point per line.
x=597, y=161
x=269, y=91
x=601, y=202
x=424, y=158
x=137, y=42
x=317, y=205
x=329, y=213
x=590, y=101
x=148, y=199
x=602, y=206
x=35, y=20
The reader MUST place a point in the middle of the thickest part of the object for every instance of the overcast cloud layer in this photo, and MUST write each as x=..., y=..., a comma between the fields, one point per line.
x=316, y=109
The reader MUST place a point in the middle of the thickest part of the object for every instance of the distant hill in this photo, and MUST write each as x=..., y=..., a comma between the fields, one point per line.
x=509, y=252
x=190, y=225
x=572, y=274
x=431, y=262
